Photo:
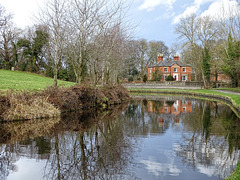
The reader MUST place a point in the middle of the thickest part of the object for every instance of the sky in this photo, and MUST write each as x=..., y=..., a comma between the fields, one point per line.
x=151, y=19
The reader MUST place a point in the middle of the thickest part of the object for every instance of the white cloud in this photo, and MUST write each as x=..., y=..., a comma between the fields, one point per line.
x=149, y=5
x=222, y=9
x=187, y=12
x=191, y=9
x=216, y=9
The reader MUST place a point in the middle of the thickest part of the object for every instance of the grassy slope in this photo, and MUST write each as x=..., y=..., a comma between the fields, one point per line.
x=17, y=80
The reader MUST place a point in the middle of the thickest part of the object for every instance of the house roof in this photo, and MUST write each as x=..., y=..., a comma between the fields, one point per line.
x=169, y=63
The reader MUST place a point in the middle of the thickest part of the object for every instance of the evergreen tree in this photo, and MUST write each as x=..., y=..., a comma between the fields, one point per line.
x=231, y=64
x=206, y=67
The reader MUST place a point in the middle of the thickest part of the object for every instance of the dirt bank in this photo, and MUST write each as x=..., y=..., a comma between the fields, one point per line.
x=53, y=101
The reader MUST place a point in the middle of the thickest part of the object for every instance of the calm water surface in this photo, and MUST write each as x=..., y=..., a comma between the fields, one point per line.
x=149, y=138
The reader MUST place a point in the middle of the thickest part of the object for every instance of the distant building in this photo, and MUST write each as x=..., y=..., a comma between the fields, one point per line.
x=176, y=68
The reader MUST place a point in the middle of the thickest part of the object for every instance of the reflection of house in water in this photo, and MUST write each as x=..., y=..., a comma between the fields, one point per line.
x=169, y=109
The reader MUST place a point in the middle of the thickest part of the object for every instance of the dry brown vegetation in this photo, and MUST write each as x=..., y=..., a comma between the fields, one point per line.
x=22, y=106
x=52, y=101
x=70, y=121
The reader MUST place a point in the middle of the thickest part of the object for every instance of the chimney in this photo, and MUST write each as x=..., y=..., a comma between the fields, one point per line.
x=160, y=57
x=176, y=57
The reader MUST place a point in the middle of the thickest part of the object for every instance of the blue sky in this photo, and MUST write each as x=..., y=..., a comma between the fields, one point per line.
x=155, y=19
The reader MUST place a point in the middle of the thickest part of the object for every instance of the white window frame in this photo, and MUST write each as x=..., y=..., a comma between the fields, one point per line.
x=166, y=109
x=165, y=69
x=175, y=69
x=185, y=78
x=184, y=69
x=150, y=71
x=184, y=108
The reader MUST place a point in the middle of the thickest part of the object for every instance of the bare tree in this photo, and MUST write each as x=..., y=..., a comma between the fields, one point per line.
x=53, y=16
x=88, y=19
x=142, y=54
x=8, y=38
x=4, y=16
x=197, y=35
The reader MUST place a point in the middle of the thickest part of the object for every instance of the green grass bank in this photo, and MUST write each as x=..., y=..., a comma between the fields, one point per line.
x=23, y=81
x=236, y=174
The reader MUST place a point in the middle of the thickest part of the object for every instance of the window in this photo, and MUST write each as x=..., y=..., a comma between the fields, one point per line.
x=150, y=70
x=175, y=69
x=184, y=69
x=184, y=78
x=184, y=109
x=165, y=69
x=166, y=109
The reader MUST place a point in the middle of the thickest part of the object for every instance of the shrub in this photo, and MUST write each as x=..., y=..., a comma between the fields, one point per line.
x=157, y=76
x=169, y=78
x=130, y=79
x=145, y=78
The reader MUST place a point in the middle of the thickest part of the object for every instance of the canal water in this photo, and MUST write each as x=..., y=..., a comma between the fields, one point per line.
x=153, y=137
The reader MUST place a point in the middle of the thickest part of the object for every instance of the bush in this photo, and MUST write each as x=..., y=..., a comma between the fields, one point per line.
x=145, y=78
x=130, y=79
x=169, y=78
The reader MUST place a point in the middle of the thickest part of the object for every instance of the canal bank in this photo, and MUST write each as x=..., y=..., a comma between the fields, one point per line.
x=229, y=97
x=53, y=101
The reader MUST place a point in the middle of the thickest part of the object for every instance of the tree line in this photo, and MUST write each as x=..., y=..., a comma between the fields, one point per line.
x=80, y=41
x=92, y=41
x=212, y=45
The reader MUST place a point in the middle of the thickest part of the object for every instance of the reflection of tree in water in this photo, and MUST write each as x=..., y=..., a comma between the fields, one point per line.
x=7, y=161
x=97, y=145
x=70, y=149
x=103, y=152
x=23, y=138
x=212, y=141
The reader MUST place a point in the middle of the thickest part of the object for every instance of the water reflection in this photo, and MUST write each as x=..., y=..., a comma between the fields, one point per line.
x=150, y=138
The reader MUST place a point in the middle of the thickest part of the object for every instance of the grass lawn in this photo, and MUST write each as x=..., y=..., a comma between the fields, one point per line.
x=17, y=80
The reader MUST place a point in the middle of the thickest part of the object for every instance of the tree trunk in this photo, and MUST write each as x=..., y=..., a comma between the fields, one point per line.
x=55, y=71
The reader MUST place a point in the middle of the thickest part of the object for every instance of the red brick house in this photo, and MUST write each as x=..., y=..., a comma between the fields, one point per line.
x=176, y=68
